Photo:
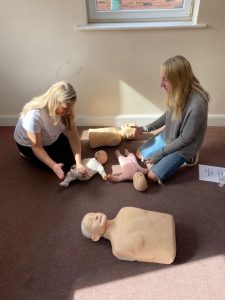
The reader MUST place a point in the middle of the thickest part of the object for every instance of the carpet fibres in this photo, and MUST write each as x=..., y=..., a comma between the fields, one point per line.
x=43, y=254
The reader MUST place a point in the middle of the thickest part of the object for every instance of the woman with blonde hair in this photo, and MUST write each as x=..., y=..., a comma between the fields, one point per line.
x=46, y=131
x=185, y=121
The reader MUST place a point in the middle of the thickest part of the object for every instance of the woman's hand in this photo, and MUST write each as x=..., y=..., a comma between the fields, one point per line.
x=57, y=169
x=139, y=130
x=81, y=168
x=149, y=163
x=43, y=156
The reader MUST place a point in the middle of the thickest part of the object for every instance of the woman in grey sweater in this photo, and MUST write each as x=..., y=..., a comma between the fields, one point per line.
x=185, y=120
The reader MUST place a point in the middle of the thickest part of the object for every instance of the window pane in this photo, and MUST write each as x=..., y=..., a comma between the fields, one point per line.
x=135, y=5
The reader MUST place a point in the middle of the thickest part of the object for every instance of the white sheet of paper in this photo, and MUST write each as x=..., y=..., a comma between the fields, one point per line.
x=210, y=173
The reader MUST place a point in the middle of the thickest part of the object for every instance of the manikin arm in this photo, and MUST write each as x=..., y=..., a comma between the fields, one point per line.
x=102, y=172
x=95, y=167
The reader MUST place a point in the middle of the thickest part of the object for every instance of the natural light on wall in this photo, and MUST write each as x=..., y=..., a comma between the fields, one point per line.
x=133, y=102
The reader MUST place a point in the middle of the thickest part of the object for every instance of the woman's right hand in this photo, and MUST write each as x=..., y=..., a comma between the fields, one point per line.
x=57, y=169
x=41, y=154
x=139, y=130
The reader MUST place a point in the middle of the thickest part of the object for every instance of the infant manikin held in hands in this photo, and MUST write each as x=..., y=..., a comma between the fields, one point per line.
x=93, y=165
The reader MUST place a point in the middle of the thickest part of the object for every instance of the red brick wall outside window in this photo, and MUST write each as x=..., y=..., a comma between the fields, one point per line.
x=105, y=5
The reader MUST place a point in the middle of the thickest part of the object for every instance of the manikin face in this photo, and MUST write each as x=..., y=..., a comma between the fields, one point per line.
x=64, y=109
x=95, y=224
x=101, y=156
x=164, y=82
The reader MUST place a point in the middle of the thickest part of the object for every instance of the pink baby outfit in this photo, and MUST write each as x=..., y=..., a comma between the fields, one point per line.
x=129, y=166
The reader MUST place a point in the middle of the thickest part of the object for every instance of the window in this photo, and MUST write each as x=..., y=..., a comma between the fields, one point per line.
x=119, y=11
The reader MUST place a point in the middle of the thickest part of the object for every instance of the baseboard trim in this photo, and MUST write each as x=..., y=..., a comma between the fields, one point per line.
x=8, y=120
x=213, y=120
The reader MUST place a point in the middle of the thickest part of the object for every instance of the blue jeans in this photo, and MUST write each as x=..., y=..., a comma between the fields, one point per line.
x=167, y=166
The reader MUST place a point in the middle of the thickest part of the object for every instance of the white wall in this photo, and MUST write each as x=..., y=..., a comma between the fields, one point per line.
x=114, y=72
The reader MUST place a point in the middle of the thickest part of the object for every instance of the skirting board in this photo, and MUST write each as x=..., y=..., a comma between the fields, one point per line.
x=213, y=120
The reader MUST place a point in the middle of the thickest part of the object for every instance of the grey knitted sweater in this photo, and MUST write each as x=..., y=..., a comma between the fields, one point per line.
x=185, y=135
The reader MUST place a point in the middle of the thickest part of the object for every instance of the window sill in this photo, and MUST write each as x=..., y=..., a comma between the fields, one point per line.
x=140, y=25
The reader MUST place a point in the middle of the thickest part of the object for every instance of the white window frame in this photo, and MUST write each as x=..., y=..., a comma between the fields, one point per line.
x=153, y=19
x=94, y=16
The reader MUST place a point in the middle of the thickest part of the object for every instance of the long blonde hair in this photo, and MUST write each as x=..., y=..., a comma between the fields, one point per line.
x=61, y=92
x=179, y=73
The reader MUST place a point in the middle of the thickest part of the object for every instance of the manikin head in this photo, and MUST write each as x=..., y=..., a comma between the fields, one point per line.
x=101, y=156
x=140, y=182
x=128, y=131
x=93, y=225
